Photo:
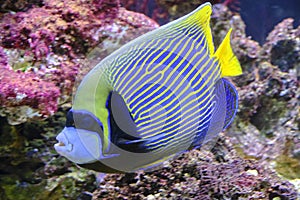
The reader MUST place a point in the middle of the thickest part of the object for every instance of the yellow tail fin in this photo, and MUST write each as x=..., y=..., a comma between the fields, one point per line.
x=229, y=63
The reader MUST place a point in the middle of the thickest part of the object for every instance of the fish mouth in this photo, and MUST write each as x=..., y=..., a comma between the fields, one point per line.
x=63, y=144
x=60, y=144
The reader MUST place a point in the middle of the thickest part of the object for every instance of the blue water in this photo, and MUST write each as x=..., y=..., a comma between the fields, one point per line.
x=261, y=16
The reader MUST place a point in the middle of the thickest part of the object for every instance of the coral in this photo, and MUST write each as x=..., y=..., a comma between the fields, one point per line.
x=222, y=19
x=19, y=5
x=25, y=89
x=282, y=48
x=163, y=11
x=268, y=116
x=198, y=175
x=45, y=49
x=60, y=27
x=233, y=5
x=246, y=49
x=3, y=58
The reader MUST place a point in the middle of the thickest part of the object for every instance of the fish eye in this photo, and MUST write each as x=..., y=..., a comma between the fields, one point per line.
x=70, y=119
x=84, y=120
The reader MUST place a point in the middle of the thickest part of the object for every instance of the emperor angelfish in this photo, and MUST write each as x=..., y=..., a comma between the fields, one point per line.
x=154, y=98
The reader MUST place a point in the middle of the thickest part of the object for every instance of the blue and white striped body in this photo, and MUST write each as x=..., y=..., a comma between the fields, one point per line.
x=157, y=96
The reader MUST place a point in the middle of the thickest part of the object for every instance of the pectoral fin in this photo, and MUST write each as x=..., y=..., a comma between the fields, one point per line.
x=123, y=129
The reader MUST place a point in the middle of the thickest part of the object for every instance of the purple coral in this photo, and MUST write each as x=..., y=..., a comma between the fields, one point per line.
x=3, y=58
x=18, y=89
x=52, y=42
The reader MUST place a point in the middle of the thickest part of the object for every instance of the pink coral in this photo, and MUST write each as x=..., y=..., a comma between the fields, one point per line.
x=50, y=44
x=27, y=89
x=18, y=89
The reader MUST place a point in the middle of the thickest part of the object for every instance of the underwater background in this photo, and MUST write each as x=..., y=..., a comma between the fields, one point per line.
x=46, y=46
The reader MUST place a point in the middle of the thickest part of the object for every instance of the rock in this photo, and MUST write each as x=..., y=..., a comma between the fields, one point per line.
x=19, y=5
x=267, y=123
x=198, y=175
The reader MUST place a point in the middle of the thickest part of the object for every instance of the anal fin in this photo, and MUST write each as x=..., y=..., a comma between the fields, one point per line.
x=232, y=101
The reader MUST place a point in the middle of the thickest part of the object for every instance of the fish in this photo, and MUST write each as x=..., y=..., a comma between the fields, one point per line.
x=158, y=96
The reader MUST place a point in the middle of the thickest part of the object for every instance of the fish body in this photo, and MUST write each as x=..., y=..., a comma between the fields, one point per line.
x=156, y=97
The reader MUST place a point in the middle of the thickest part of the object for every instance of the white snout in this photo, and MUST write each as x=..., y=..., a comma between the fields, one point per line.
x=79, y=146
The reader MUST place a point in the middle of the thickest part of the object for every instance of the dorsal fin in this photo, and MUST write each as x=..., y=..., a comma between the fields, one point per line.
x=201, y=17
x=229, y=63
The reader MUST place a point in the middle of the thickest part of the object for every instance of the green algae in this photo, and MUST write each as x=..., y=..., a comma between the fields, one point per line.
x=63, y=187
x=21, y=191
x=288, y=167
x=22, y=66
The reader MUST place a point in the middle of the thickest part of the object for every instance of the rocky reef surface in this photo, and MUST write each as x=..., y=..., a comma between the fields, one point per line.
x=267, y=126
x=219, y=174
x=46, y=47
